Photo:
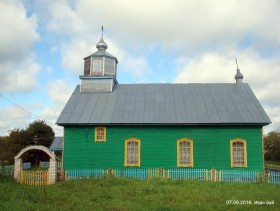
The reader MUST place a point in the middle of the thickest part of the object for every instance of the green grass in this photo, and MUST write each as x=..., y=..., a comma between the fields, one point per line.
x=133, y=194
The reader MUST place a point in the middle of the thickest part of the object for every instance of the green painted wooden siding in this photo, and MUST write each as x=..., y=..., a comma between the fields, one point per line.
x=159, y=147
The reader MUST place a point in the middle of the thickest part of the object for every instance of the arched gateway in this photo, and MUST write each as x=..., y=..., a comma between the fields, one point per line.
x=52, y=167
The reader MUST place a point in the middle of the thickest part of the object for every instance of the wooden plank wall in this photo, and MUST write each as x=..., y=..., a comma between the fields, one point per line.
x=158, y=146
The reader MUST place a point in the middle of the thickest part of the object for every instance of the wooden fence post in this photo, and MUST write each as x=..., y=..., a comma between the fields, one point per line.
x=109, y=172
x=149, y=174
x=62, y=175
x=213, y=175
x=168, y=173
x=65, y=176
x=161, y=172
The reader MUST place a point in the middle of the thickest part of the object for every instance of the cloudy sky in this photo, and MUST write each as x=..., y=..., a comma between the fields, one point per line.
x=43, y=43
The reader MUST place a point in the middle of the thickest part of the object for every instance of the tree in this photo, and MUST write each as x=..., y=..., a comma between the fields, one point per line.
x=19, y=139
x=272, y=146
x=6, y=150
x=37, y=133
x=40, y=133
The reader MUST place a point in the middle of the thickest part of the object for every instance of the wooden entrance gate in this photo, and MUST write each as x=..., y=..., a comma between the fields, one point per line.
x=29, y=177
x=35, y=177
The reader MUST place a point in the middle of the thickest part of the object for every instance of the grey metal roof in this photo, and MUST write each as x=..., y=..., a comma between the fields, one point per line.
x=101, y=45
x=101, y=54
x=57, y=144
x=186, y=104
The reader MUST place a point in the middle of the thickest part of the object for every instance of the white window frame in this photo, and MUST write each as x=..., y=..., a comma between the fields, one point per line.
x=92, y=66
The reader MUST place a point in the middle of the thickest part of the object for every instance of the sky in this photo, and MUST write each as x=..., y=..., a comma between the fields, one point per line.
x=43, y=43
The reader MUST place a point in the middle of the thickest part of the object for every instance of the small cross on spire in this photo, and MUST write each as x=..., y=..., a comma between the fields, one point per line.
x=238, y=76
x=101, y=45
x=235, y=61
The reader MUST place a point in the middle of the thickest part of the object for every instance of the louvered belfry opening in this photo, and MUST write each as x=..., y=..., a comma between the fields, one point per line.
x=100, y=70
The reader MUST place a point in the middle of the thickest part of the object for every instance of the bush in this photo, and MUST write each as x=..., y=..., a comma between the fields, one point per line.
x=6, y=178
x=272, y=146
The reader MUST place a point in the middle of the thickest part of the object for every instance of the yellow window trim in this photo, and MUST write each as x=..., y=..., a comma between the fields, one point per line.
x=95, y=134
x=245, y=152
x=125, y=153
x=178, y=152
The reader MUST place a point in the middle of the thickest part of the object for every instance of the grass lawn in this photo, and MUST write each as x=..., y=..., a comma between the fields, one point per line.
x=133, y=194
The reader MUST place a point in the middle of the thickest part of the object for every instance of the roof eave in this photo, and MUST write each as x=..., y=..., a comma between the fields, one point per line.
x=164, y=124
x=104, y=55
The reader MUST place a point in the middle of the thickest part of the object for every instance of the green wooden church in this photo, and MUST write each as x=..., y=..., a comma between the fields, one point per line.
x=197, y=126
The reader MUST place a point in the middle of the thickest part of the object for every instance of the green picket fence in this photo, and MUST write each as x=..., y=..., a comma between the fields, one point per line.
x=273, y=177
x=7, y=170
x=239, y=176
x=200, y=174
x=46, y=164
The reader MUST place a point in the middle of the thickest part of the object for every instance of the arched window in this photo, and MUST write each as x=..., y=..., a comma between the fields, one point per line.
x=132, y=152
x=238, y=153
x=184, y=153
x=100, y=134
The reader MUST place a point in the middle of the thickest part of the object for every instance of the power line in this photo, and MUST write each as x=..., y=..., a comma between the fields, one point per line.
x=25, y=110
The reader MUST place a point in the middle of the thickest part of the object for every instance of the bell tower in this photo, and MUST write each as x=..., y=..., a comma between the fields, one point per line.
x=100, y=70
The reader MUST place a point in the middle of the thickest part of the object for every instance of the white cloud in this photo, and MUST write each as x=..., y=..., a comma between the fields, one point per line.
x=59, y=92
x=54, y=50
x=18, y=32
x=273, y=113
x=63, y=18
x=134, y=65
x=73, y=54
x=219, y=66
x=13, y=117
x=211, y=67
x=50, y=114
x=191, y=27
x=185, y=24
x=19, y=76
x=49, y=69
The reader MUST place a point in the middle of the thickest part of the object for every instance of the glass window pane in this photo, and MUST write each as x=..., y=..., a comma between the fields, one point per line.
x=238, y=153
x=185, y=153
x=132, y=152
